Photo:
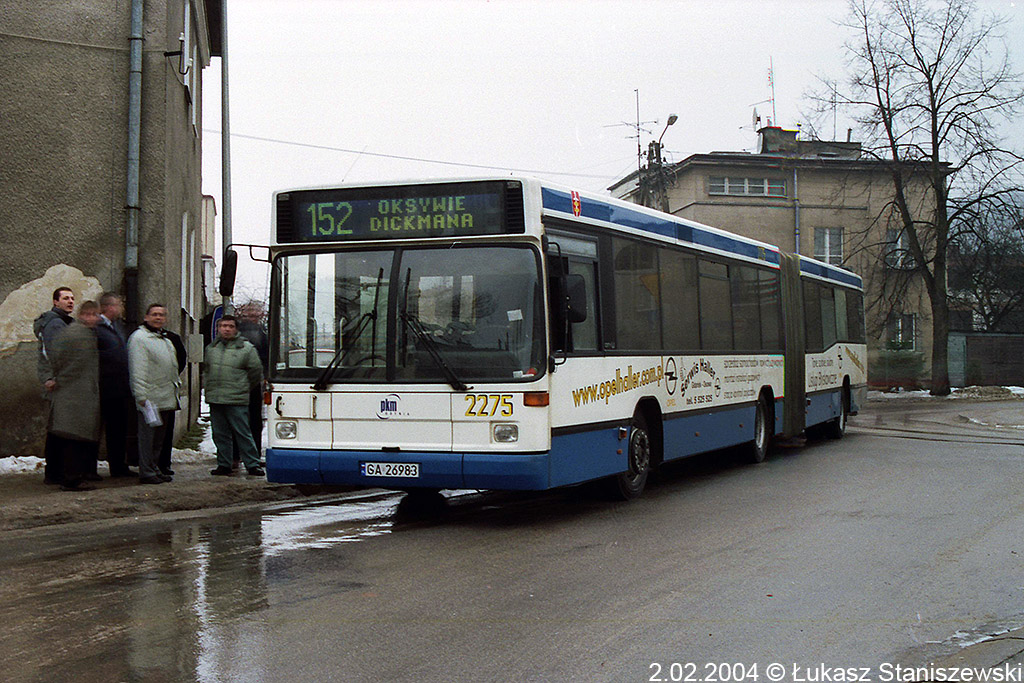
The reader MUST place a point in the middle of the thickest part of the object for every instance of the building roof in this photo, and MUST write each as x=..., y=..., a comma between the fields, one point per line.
x=778, y=148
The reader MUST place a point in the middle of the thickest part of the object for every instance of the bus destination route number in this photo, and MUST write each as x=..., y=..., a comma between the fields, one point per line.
x=354, y=213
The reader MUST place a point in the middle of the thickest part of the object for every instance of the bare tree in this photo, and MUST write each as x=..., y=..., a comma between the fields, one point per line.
x=929, y=84
x=986, y=267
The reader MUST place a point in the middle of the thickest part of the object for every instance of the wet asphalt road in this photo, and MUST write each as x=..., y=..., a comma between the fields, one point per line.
x=878, y=548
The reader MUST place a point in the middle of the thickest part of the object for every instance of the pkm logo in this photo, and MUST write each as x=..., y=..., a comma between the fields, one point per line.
x=577, y=204
x=389, y=406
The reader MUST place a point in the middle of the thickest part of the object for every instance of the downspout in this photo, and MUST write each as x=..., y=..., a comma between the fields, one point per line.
x=225, y=142
x=131, y=251
x=796, y=213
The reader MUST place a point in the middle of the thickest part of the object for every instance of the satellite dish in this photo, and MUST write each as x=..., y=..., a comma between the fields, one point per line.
x=755, y=120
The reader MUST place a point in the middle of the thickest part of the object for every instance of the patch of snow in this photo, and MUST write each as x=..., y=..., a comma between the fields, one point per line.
x=889, y=395
x=189, y=455
x=20, y=463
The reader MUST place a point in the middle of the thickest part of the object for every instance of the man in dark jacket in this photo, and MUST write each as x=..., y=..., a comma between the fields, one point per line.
x=117, y=406
x=75, y=416
x=46, y=328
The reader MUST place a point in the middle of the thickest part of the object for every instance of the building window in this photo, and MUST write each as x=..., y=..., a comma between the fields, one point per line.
x=828, y=245
x=900, y=331
x=897, y=249
x=747, y=187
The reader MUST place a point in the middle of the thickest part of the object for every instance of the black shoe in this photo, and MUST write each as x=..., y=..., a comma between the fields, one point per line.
x=256, y=472
x=156, y=479
x=77, y=487
x=168, y=472
x=166, y=477
x=92, y=476
x=117, y=474
x=221, y=472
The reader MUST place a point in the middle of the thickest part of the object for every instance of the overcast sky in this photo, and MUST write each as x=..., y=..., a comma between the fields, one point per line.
x=547, y=88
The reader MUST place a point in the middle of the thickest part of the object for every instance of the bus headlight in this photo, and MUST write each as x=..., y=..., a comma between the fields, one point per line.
x=505, y=433
x=285, y=429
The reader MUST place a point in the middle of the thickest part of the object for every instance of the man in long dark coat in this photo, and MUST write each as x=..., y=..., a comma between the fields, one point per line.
x=46, y=328
x=75, y=415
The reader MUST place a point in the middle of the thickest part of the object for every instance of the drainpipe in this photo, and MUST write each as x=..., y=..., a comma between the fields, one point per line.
x=796, y=213
x=131, y=251
x=225, y=142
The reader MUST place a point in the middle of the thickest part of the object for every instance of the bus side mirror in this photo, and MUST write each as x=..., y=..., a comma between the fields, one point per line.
x=227, y=272
x=576, y=298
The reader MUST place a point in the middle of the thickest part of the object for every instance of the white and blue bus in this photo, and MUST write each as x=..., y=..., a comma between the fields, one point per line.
x=508, y=334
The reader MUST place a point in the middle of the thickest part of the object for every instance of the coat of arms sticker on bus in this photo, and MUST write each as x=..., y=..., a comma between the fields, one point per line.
x=577, y=205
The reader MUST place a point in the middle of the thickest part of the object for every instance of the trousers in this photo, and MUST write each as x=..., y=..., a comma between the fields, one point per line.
x=231, y=424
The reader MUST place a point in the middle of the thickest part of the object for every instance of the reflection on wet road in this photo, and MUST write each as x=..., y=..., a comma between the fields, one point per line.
x=184, y=601
x=852, y=553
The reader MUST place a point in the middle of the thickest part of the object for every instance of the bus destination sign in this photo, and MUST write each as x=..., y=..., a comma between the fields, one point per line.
x=400, y=212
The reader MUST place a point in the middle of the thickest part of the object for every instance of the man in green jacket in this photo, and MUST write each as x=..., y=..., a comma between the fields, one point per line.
x=231, y=368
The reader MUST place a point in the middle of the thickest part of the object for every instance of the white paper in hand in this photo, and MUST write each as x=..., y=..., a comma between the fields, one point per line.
x=151, y=414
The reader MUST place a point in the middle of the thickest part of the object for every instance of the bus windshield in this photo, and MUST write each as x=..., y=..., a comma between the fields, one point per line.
x=430, y=314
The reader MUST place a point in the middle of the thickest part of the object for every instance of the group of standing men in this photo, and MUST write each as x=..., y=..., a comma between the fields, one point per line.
x=95, y=378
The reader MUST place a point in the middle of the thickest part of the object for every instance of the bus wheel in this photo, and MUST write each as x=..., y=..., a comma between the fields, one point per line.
x=837, y=427
x=630, y=484
x=762, y=432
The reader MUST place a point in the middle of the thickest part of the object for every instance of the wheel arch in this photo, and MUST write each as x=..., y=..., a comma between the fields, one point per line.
x=768, y=394
x=650, y=408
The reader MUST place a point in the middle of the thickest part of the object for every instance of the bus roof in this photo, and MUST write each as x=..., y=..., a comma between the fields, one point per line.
x=619, y=214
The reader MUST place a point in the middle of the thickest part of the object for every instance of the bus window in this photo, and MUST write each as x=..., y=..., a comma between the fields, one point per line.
x=584, y=334
x=715, y=307
x=812, y=316
x=842, y=326
x=746, y=315
x=828, y=316
x=771, y=310
x=855, y=317
x=679, y=300
x=636, y=295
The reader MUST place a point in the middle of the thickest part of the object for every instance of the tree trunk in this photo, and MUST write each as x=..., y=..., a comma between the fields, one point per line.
x=940, y=344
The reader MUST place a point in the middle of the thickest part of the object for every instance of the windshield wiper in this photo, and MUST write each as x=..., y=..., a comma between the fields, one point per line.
x=342, y=354
x=432, y=350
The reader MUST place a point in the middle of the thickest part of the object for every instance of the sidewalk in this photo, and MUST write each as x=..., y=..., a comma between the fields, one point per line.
x=29, y=503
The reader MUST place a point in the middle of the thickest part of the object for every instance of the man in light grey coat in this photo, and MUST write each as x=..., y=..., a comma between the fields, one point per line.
x=153, y=371
x=75, y=413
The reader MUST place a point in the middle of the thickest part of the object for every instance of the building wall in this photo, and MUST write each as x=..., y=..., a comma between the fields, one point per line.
x=64, y=118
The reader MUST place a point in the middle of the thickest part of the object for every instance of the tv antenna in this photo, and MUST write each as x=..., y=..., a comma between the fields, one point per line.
x=639, y=127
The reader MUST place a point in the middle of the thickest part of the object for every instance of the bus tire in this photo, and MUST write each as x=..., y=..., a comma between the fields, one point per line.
x=630, y=484
x=758, y=446
x=835, y=428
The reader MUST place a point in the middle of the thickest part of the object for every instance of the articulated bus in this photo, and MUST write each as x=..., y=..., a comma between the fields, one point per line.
x=508, y=334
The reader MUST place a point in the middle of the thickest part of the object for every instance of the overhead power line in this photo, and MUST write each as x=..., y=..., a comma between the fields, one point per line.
x=381, y=155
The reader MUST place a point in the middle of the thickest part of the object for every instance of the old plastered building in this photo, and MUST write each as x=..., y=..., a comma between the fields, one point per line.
x=820, y=199
x=100, y=109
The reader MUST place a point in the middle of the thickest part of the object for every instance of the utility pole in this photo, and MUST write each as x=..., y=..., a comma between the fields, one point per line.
x=656, y=169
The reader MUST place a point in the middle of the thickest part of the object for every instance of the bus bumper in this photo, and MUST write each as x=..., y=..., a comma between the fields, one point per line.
x=513, y=471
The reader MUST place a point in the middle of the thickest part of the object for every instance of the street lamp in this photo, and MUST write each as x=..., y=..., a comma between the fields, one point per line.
x=672, y=118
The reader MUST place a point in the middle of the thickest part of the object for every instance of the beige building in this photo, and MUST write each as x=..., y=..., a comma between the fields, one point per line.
x=101, y=111
x=820, y=199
